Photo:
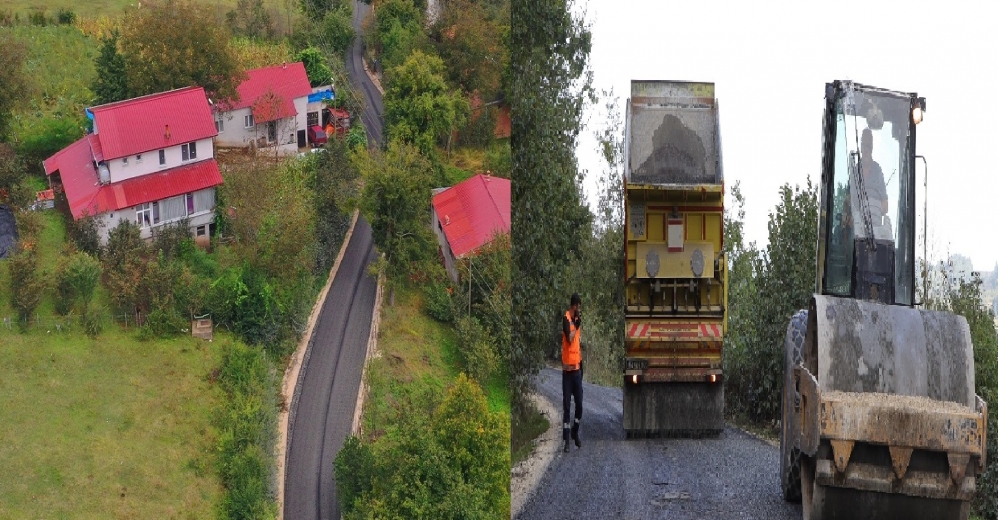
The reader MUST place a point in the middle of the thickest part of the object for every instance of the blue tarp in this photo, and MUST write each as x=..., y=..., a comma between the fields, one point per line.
x=320, y=95
x=8, y=232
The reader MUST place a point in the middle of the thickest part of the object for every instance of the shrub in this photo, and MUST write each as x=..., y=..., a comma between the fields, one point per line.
x=243, y=299
x=173, y=240
x=65, y=294
x=161, y=323
x=83, y=273
x=437, y=300
x=247, y=432
x=26, y=285
x=66, y=16
x=93, y=321
x=480, y=131
x=85, y=234
x=499, y=159
x=37, y=17
x=477, y=349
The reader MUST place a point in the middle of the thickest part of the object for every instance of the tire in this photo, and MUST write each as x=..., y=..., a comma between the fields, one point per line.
x=790, y=468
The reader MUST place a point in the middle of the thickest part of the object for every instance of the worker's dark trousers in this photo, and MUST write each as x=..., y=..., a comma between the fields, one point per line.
x=571, y=385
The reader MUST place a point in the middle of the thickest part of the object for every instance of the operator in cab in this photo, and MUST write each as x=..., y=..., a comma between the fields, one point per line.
x=571, y=370
x=876, y=193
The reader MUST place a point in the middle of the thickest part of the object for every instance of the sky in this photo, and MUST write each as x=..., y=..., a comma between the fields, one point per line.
x=770, y=62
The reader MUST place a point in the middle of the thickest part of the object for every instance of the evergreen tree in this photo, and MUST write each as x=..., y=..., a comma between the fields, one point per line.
x=111, y=83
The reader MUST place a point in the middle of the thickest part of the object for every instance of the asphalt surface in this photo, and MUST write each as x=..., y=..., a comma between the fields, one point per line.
x=373, y=107
x=322, y=415
x=732, y=476
x=327, y=395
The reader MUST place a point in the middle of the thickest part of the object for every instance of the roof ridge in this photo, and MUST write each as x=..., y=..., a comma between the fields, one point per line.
x=492, y=198
x=145, y=98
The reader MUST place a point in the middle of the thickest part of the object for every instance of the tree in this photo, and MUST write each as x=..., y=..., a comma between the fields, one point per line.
x=111, y=82
x=337, y=30
x=471, y=45
x=396, y=202
x=419, y=108
x=250, y=18
x=398, y=30
x=453, y=464
x=26, y=284
x=335, y=186
x=315, y=66
x=551, y=88
x=11, y=170
x=83, y=273
x=14, y=83
x=178, y=43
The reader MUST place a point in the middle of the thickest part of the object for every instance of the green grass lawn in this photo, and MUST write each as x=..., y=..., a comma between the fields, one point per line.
x=417, y=359
x=106, y=428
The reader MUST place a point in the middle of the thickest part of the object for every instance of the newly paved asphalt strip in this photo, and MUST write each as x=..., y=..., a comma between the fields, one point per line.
x=323, y=416
x=373, y=108
x=732, y=476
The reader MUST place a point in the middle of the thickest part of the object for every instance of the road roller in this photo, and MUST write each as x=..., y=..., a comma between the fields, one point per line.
x=879, y=414
x=675, y=268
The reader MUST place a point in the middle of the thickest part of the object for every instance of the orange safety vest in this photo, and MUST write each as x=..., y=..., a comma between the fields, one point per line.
x=571, y=352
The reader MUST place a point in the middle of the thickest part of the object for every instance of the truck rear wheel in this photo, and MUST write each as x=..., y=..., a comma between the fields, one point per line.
x=790, y=470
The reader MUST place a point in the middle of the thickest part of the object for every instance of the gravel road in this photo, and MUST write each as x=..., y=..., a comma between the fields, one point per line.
x=327, y=394
x=732, y=476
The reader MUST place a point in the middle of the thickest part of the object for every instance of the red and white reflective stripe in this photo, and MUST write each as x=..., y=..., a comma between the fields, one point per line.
x=639, y=330
x=710, y=331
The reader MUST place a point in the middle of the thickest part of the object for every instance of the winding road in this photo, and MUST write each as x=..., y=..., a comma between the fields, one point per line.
x=326, y=396
x=732, y=476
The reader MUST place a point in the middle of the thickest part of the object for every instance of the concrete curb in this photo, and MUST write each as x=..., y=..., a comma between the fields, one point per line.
x=372, y=347
x=527, y=474
x=295, y=372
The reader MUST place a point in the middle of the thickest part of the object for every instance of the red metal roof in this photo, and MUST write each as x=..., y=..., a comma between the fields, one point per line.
x=472, y=211
x=151, y=122
x=86, y=196
x=287, y=82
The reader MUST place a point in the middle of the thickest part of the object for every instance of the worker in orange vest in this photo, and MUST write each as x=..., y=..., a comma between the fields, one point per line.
x=571, y=369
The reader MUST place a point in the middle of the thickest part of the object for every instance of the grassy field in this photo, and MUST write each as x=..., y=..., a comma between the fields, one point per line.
x=106, y=428
x=112, y=428
x=95, y=8
x=417, y=357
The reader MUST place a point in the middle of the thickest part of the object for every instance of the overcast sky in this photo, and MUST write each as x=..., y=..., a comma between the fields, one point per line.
x=770, y=62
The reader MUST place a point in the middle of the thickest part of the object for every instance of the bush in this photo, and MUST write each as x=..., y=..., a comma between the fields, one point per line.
x=459, y=455
x=243, y=299
x=93, y=321
x=162, y=323
x=65, y=294
x=85, y=234
x=37, y=17
x=83, y=273
x=48, y=136
x=476, y=347
x=437, y=301
x=479, y=131
x=26, y=284
x=499, y=159
x=247, y=433
x=173, y=240
x=66, y=16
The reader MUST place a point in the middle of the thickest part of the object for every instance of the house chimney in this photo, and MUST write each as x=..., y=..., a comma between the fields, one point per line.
x=166, y=133
x=446, y=220
x=284, y=64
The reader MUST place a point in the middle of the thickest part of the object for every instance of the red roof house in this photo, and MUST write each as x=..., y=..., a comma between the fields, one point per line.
x=270, y=110
x=149, y=160
x=467, y=215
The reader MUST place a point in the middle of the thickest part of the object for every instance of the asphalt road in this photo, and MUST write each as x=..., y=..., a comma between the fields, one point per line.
x=373, y=107
x=327, y=394
x=732, y=476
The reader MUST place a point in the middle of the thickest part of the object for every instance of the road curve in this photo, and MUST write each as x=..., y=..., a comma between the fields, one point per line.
x=327, y=396
x=373, y=107
x=733, y=476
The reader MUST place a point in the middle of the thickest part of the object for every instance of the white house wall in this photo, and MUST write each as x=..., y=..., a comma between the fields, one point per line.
x=204, y=214
x=235, y=135
x=450, y=264
x=150, y=161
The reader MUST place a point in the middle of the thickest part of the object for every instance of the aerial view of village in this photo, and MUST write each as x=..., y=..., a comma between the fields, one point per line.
x=255, y=259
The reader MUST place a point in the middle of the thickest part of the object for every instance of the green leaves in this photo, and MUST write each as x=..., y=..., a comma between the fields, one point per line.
x=419, y=108
x=315, y=66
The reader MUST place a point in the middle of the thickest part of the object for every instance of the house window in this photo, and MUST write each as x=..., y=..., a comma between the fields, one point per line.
x=162, y=157
x=138, y=158
x=143, y=215
x=219, y=125
x=190, y=203
x=124, y=161
x=202, y=231
x=313, y=118
x=189, y=152
x=248, y=121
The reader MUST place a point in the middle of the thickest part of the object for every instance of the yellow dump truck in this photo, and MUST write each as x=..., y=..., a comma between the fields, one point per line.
x=676, y=272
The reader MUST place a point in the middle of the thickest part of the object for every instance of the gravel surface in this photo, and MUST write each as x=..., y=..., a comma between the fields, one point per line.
x=732, y=476
x=328, y=391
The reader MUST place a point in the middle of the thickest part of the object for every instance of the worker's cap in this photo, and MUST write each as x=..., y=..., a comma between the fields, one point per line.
x=576, y=299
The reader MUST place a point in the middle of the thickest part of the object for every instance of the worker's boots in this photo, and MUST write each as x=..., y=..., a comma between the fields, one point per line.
x=566, y=446
x=575, y=434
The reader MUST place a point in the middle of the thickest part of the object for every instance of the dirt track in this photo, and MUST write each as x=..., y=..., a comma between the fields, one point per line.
x=733, y=476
